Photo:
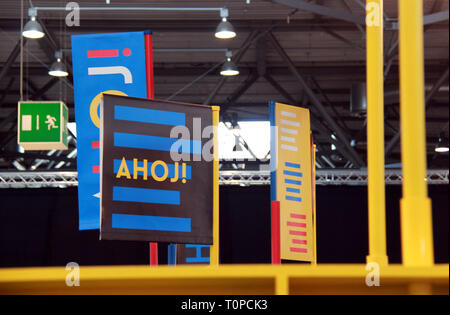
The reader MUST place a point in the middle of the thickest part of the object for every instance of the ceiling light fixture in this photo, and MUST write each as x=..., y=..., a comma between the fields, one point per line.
x=225, y=30
x=33, y=29
x=229, y=68
x=442, y=145
x=58, y=68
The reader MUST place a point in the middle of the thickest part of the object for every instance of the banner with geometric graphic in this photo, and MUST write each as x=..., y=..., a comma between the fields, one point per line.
x=119, y=63
x=291, y=180
x=188, y=254
x=156, y=171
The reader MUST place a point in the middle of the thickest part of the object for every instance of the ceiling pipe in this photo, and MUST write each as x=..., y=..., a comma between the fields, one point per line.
x=36, y=9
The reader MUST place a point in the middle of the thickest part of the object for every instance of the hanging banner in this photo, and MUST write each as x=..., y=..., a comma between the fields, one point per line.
x=291, y=181
x=157, y=171
x=119, y=64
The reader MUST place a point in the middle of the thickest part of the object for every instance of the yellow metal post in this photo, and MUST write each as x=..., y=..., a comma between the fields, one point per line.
x=282, y=285
x=375, y=133
x=314, y=202
x=215, y=246
x=416, y=217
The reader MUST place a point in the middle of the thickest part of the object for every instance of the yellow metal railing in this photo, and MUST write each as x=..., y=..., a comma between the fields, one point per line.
x=416, y=219
x=224, y=280
x=375, y=133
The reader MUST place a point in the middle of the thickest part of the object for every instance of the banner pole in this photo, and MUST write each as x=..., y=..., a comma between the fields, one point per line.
x=172, y=254
x=215, y=245
x=314, y=203
x=150, y=95
x=275, y=217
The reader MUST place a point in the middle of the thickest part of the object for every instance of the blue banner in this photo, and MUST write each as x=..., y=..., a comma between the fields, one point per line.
x=112, y=63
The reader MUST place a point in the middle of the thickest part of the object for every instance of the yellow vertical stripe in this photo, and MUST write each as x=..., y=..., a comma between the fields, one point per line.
x=416, y=218
x=215, y=246
x=375, y=133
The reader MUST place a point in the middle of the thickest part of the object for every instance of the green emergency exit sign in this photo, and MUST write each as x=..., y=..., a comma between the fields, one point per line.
x=42, y=125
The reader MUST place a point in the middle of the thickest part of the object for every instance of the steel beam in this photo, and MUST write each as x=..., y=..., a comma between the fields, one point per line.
x=315, y=121
x=435, y=18
x=12, y=57
x=330, y=104
x=238, y=92
x=6, y=90
x=39, y=93
x=395, y=139
x=356, y=159
x=210, y=70
x=49, y=44
x=358, y=26
x=34, y=156
x=261, y=48
x=323, y=10
x=180, y=26
x=238, y=178
x=236, y=60
x=343, y=39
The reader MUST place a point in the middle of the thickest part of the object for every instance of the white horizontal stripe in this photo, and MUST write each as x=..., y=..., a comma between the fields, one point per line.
x=289, y=147
x=288, y=139
x=288, y=114
x=290, y=123
x=289, y=131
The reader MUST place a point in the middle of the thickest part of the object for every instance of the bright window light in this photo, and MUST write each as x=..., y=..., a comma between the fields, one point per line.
x=255, y=133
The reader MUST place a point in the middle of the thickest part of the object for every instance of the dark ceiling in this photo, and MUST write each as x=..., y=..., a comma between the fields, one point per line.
x=329, y=54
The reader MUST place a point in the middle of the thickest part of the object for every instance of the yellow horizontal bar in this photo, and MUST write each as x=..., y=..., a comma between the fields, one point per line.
x=224, y=279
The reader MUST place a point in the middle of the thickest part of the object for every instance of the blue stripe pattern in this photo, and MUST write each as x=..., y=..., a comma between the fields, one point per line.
x=150, y=223
x=293, y=182
x=150, y=116
x=293, y=190
x=293, y=165
x=290, y=173
x=131, y=194
x=158, y=170
x=291, y=198
x=146, y=142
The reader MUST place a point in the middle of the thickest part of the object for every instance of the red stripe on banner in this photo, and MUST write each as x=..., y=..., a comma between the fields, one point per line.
x=292, y=232
x=276, y=251
x=298, y=216
x=301, y=242
x=301, y=225
x=149, y=63
x=298, y=250
x=150, y=95
x=96, y=169
x=95, y=144
x=103, y=53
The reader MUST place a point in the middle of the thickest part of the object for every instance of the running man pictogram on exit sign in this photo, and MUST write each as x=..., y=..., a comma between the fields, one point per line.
x=42, y=125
